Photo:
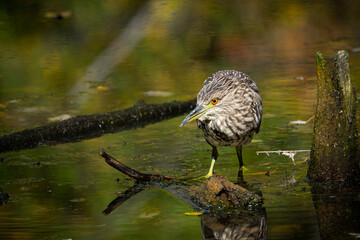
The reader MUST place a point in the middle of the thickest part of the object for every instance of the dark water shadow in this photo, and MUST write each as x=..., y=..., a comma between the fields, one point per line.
x=338, y=210
x=4, y=197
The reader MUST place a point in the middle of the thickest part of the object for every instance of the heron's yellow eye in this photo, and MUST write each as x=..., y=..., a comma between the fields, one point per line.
x=214, y=101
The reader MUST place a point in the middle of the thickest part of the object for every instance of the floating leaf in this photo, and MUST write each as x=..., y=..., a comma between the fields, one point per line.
x=78, y=200
x=193, y=213
x=298, y=122
x=58, y=15
x=102, y=88
x=14, y=101
x=60, y=117
x=158, y=93
x=149, y=215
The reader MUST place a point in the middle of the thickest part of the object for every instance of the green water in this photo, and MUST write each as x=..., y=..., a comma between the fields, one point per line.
x=59, y=192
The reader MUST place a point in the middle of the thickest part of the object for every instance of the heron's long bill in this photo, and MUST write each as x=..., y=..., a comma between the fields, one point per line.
x=196, y=113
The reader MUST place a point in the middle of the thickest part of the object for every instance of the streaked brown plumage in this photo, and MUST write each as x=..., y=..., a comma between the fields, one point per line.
x=228, y=111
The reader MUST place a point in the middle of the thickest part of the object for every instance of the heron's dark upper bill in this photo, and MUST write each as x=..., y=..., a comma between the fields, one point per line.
x=196, y=113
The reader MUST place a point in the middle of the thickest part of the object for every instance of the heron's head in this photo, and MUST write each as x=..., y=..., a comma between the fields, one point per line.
x=215, y=97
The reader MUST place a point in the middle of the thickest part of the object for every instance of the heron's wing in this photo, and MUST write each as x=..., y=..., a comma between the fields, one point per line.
x=257, y=111
x=256, y=105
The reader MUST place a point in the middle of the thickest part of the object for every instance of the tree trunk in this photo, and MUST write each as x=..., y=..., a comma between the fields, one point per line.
x=334, y=153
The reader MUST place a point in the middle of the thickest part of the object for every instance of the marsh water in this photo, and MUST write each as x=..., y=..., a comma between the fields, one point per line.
x=66, y=58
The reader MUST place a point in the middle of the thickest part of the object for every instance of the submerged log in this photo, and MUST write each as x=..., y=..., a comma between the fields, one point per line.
x=216, y=195
x=90, y=126
x=335, y=149
x=228, y=211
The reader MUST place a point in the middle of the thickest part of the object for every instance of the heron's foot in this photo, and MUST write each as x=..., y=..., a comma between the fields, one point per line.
x=209, y=175
x=240, y=177
x=243, y=168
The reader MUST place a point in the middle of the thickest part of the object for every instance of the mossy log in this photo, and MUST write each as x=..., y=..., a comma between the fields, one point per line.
x=227, y=210
x=219, y=195
x=216, y=195
x=90, y=126
x=335, y=149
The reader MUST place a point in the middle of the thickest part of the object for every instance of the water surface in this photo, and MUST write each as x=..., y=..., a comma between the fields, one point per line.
x=59, y=192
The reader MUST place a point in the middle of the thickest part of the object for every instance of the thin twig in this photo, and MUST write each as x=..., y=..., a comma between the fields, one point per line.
x=301, y=122
x=311, y=118
x=290, y=153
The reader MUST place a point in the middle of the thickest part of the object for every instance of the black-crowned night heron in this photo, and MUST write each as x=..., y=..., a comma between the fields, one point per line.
x=228, y=111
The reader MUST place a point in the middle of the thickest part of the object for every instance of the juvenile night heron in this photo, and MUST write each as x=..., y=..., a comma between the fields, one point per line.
x=228, y=111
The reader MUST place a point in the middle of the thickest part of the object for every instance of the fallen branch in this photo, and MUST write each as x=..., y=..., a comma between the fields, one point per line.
x=142, y=177
x=290, y=153
x=90, y=126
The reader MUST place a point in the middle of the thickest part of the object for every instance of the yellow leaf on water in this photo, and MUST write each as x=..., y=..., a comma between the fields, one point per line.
x=193, y=213
x=2, y=105
x=102, y=88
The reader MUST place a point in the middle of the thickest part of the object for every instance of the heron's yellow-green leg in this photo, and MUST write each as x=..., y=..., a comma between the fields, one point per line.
x=210, y=173
x=214, y=156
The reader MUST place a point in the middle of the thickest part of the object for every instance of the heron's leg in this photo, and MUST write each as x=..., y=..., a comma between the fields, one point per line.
x=214, y=157
x=240, y=177
x=239, y=155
